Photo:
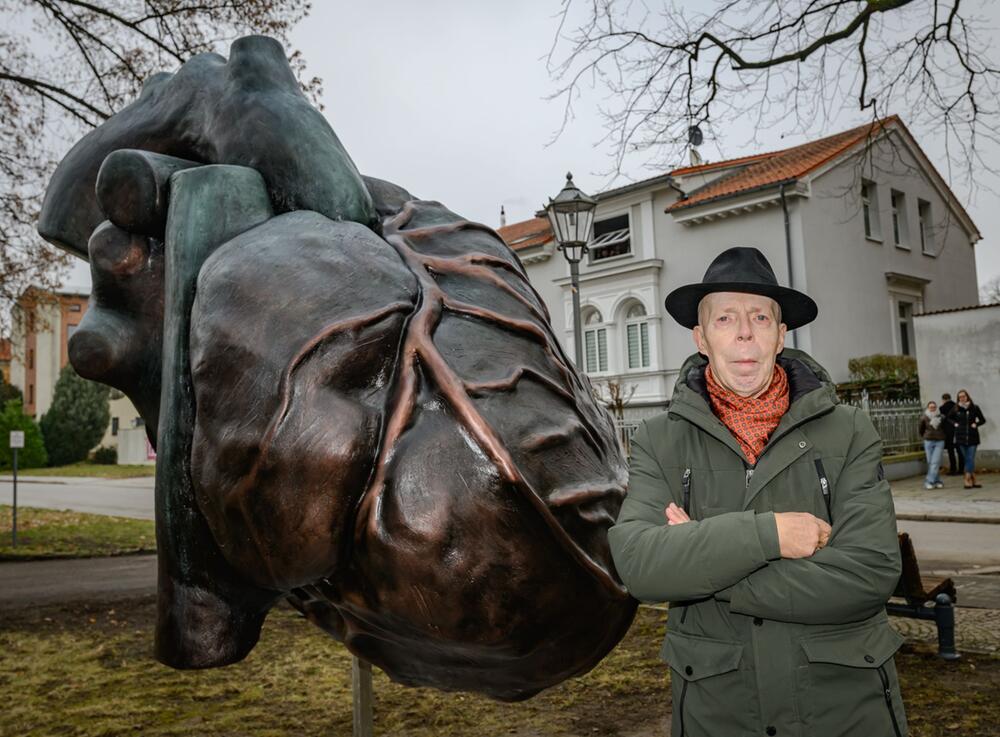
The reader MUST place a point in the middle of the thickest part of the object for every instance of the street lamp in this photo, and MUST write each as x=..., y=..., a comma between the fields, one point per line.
x=571, y=215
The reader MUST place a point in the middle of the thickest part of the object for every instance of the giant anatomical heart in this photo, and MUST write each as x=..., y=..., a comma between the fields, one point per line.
x=357, y=398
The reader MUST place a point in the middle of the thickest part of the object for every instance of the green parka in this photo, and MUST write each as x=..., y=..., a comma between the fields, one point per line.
x=758, y=644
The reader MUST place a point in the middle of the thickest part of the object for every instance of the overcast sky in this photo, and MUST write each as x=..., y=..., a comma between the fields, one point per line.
x=448, y=99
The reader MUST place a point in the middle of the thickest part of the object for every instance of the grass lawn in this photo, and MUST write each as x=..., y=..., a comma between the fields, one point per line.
x=96, y=470
x=88, y=672
x=47, y=533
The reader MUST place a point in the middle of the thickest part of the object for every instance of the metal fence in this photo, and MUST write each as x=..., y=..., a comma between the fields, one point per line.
x=627, y=425
x=896, y=420
x=626, y=429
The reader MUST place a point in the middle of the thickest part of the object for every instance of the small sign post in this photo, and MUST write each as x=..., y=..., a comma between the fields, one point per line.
x=16, y=441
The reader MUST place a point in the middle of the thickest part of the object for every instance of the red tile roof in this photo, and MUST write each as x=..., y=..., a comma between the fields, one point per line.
x=750, y=172
x=712, y=165
x=534, y=232
x=772, y=168
x=957, y=309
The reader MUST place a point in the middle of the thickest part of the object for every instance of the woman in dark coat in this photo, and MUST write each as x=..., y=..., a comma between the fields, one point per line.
x=967, y=418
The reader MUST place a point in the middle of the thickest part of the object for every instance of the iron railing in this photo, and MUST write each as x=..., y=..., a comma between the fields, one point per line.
x=896, y=420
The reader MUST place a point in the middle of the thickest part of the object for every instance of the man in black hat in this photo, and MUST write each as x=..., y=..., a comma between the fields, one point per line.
x=757, y=507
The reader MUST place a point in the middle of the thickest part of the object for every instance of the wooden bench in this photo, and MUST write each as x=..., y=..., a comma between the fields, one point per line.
x=917, y=590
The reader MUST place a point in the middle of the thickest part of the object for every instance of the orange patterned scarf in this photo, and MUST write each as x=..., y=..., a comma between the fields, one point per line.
x=751, y=420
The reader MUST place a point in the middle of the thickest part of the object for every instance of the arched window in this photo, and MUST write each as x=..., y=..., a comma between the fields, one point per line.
x=637, y=337
x=595, y=342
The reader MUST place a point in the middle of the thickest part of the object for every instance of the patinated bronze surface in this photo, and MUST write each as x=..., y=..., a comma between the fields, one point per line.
x=357, y=398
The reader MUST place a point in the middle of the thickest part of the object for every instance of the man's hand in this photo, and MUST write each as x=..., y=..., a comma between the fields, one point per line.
x=676, y=515
x=800, y=534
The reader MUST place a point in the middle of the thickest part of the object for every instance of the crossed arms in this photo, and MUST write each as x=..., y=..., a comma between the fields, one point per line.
x=737, y=556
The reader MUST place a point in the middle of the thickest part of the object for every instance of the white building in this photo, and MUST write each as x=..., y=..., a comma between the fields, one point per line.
x=861, y=221
x=960, y=349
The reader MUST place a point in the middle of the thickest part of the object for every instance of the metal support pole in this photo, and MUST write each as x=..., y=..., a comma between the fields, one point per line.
x=944, y=618
x=574, y=273
x=14, y=510
x=788, y=247
x=361, y=692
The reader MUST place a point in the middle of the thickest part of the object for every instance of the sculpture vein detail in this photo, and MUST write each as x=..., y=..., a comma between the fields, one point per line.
x=357, y=399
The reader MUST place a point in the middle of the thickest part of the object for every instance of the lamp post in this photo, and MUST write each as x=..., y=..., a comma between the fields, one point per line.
x=571, y=215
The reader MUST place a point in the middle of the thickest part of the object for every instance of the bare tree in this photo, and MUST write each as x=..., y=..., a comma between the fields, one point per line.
x=790, y=64
x=616, y=399
x=68, y=65
x=989, y=293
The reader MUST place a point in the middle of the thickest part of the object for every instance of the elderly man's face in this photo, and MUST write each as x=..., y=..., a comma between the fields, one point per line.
x=742, y=336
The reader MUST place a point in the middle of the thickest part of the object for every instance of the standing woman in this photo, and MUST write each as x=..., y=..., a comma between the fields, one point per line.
x=967, y=418
x=932, y=430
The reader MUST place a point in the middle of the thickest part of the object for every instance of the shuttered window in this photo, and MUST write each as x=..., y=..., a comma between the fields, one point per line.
x=595, y=343
x=637, y=337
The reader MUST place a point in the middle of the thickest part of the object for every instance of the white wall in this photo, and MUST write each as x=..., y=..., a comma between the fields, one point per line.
x=961, y=350
x=133, y=447
x=127, y=414
x=846, y=271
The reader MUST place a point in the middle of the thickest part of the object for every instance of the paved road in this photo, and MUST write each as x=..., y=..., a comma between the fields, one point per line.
x=945, y=547
x=953, y=545
x=118, y=497
x=33, y=583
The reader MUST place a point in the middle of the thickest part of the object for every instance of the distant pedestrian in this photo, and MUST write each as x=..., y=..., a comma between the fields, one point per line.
x=947, y=405
x=933, y=432
x=967, y=418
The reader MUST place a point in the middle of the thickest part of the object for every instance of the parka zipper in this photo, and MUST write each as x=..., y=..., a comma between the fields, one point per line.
x=824, y=487
x=680, y=708
x=887, y=692
x=686, y=484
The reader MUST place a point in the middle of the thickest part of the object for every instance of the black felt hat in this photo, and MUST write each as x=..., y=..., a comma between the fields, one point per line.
x=741, y=269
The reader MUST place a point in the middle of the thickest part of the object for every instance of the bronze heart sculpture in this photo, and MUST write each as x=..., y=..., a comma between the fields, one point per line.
x=357, y=397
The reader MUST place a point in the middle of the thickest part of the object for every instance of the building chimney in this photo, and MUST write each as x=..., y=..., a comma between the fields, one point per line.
x=503, y=217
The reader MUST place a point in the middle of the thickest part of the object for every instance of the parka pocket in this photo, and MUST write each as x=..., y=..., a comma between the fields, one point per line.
x=711, y=694
x=849, y=684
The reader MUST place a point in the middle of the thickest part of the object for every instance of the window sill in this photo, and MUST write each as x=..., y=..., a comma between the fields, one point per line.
x=874, y=239
x=609, y=260
x=929, y=254
x=902, y=247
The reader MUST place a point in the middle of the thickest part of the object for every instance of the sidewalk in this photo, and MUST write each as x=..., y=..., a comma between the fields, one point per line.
x=950, y=504
x=138, y=482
